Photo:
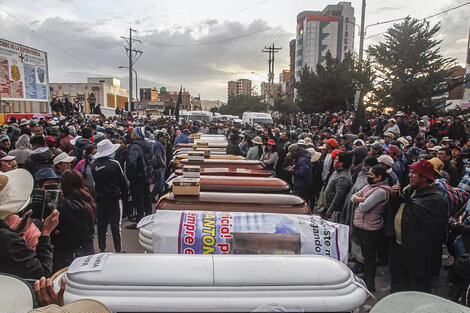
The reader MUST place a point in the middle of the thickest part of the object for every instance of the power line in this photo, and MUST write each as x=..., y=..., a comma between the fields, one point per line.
x=50, y=42
x=425, y=18
x=210, y=42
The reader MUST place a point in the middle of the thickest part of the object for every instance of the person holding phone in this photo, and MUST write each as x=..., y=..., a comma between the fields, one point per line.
x=17, y=259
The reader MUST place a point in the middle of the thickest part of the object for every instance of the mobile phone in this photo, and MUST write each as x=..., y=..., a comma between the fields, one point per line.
x=43, y=202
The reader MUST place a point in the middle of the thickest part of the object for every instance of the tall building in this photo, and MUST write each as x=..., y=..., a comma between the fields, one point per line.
x=466, y=87
x=170, y=99
x=149, y=94
x=290, y=86
x=265, y=91
x=321, y=31
x=239, y=87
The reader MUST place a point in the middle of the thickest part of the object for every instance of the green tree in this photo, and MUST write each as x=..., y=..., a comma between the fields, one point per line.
x=236, y=105
x=332, y=86
x=284, y=105
x=409, y=66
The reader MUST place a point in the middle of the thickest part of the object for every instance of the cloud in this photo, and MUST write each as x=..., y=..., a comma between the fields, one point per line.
x=204, y=69
x=386, y=8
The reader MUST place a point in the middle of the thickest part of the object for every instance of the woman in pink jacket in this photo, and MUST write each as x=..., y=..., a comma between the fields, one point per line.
x=368, y=219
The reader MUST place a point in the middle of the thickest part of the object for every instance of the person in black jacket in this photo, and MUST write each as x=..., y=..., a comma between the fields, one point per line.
x=75, y=232
x=110, y=187
x=139, y=172
x=16, y=258
x=234, y=146
x=41, y=157
x=82, y=143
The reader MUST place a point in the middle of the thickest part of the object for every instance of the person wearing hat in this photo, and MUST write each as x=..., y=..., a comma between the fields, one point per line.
x=376, y=150
x=301, y=170
x=282, y=145
x=62, y=163
x=457, y=159
x=392, y=127
x=269, y=156
x=139, y=172
x=338, y=185
x=17, y=259
x=22, y=150
x=255, y=152
x=110, y=187
x=388, y=137
x=159, y=166
x=41, y=156
x=7, y=162
x=233, y=146
x=5, y=143
x=183, y=137
x=445, y=155
x=420, y=229
x=387, y=162
x=330, y=145
x=399, y=165
x=457, y=130
x=81, y=143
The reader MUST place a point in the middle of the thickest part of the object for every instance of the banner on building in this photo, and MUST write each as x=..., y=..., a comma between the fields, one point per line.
x=23, y=73
x=201, y=232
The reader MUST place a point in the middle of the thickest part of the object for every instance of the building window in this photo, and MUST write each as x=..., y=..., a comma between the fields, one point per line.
x=346, y=34
x=299, y=63
x=345, y=41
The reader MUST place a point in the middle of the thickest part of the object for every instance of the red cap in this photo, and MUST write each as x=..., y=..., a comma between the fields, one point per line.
x=392, y=149
x=49, y=141
x=332, y=142
x=335, y=153
x=271, y=142
x=424, y=168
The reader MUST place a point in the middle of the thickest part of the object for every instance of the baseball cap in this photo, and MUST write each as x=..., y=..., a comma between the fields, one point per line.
x=332, y=142
x=4, y=137
x=385, y=159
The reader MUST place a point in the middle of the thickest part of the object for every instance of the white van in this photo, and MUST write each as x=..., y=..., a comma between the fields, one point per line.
x=257, y=118
x=191, y=116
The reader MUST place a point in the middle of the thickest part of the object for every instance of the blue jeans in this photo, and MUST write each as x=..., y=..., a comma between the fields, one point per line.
x=159, y=182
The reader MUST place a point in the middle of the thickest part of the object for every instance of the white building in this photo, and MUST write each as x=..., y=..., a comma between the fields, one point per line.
x=107, y=92
x=319, y=32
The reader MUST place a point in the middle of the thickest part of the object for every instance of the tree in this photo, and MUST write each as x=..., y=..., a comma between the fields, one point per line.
x=410, y=68
x=284, y=105
x=332, y=86
x=236, y=105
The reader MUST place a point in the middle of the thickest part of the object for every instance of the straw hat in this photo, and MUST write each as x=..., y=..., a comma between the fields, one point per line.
x=15, y=188
x=416, y=302
x=315, y=155
x=257, y=140
x=16, y=295
x=79, y=306
x=438, y=165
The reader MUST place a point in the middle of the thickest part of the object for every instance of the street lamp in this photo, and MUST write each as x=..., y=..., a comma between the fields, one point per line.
x=136, y=89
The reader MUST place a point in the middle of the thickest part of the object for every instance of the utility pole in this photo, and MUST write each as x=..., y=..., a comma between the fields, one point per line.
x=133, y=55
x=362, y=34
x=271, y=50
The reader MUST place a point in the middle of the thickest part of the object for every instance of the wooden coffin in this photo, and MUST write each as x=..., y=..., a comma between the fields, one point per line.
x=235, y=202
x=225, y=171
x=207, y=163
x=243, y=184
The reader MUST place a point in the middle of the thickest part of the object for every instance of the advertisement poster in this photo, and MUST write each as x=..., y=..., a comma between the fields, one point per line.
x=200, y=232
x=23, y=73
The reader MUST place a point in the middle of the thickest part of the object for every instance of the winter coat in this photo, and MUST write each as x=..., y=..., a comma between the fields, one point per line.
x=75, y=227
x=337, y=189
x=139, y=166
x=81, y=145
x=423, y=229
x=109, y=179
x=349, y=207
x=22, y=151
x=269, y=159
x=254, y=153
x=369, y=214
x=395, y=130
x=457, y=131
x=84, y=168
x=302, y=172
x=18, y=259
x=183, y=138
x=233, y=149
x=39, y=158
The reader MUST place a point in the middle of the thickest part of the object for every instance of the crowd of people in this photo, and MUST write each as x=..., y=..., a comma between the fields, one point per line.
x=400, y=181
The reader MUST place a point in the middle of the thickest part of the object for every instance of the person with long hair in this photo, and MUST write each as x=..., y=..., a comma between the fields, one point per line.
x=256, y=151
x=84, y=167
x=368, y=219
x=74, y=235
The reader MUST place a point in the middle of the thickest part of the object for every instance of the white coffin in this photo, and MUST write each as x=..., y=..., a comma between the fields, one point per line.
x=164, y=283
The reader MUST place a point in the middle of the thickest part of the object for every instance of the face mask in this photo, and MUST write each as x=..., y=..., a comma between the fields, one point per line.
x=111, y=156
x=51, y=187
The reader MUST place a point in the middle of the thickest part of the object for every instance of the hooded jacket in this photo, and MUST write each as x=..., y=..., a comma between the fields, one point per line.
x=39, y=158
x=80, y=145
x=303, y=172
x=139, y=166
x=18, y=259
x=22, y=151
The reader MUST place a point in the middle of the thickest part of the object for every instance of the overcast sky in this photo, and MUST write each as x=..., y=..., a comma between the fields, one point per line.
x=90, y=31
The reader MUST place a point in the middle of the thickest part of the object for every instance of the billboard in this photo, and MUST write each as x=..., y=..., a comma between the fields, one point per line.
x=23, y=73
